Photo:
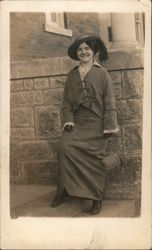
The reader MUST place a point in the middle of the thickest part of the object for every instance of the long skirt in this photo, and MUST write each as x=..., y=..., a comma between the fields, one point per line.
x=80, y=169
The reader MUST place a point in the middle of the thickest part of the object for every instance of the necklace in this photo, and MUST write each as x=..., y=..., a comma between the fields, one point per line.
x=83, y=70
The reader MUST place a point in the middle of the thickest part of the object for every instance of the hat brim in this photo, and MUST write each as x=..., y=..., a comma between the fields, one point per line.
x=72, y=50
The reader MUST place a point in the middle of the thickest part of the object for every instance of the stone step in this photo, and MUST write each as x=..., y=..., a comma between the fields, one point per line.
x=35, y=201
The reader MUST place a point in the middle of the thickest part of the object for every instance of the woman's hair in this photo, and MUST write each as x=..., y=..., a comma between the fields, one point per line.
x=98, y=46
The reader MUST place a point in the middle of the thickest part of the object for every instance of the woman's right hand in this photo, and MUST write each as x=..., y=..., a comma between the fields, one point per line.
x=69, y=128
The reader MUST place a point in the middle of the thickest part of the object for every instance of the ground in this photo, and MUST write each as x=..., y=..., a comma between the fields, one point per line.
x=35, y=200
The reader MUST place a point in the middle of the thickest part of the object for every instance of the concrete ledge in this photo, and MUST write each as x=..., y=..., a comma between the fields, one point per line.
x=129, y=59
x=61, y=65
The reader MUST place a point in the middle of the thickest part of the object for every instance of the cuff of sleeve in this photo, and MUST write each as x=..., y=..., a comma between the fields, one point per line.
x=107, y=131
x=110, y=122
x=67, y=123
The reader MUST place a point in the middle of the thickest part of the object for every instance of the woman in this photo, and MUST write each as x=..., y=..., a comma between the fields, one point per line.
x=89, y=117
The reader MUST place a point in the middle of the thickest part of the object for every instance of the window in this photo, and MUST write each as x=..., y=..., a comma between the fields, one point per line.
x=57, y=23
x=140, y=28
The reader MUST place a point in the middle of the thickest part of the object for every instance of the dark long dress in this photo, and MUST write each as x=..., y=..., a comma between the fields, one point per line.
x=80, y=168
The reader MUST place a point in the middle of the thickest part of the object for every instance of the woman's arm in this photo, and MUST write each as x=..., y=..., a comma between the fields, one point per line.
x=110, y=113
x=67, y=113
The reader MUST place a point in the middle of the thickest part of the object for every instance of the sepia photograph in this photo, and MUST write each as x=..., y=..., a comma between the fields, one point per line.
x=76, y=113
x=76, y=125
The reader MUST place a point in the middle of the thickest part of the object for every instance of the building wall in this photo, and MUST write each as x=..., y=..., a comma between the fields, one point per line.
x=36, y=97
x=28, y=38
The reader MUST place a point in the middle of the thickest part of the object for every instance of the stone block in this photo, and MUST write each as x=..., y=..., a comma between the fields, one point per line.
x=34, y=150
x=48, y=121
x=127, y=173
x=132, y=138
x=57, y=82
x=116, y=76
x=132, y=83
x=28, y=84
x=27, y=98
x=22, y=133
x=53, y=147
x=114, y=144
x=129, y=111
x=41, y=83
x=39, y=172
x=53, y=96
x=14, y=149
x=122, y=192
x=14, y=162
x=22, y=117
x=117, y=90
x=17, y=85
x=52, y=83
x=134, y=161
x=15, y=173
x=132, y=167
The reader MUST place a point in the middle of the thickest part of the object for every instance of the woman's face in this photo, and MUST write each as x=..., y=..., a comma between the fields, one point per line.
x=85, y=53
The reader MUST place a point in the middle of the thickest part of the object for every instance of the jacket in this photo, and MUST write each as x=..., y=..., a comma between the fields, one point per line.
x=94, y=92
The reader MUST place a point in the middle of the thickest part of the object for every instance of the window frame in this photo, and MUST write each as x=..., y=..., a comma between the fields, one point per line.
x=57, y=27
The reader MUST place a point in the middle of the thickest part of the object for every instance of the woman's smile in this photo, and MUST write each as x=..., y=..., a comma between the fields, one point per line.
x=84, y=55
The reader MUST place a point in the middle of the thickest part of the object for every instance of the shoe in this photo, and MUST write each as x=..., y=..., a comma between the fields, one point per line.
x=96, y=207
x=58, y=200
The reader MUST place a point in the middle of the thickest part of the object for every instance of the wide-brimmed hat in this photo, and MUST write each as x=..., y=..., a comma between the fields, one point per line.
x=72, y=50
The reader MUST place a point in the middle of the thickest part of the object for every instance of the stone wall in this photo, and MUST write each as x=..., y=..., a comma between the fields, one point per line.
x=36, y=96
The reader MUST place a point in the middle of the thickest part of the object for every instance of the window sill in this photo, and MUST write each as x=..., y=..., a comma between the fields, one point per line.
x=58, y=30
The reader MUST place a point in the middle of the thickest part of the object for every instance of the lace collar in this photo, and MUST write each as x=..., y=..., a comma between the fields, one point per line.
x=85, y=70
